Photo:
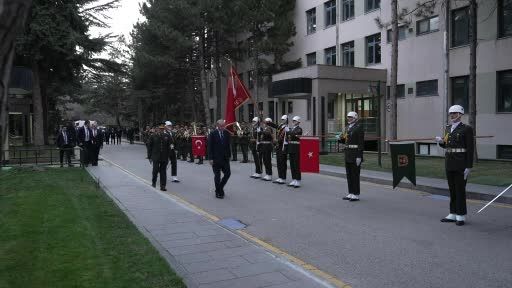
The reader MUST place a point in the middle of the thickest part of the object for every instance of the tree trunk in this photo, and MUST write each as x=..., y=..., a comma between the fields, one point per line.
x=37, y=104
x=394, y=68
x=472, y=67
x=204, y=82
x=13, y=14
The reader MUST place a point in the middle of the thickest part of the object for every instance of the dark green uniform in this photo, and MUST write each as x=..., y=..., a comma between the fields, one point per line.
x=293, y=150
x=281, y=151
x=353, y=138
x=159, y=149
x=253, y=145
x=243, y=141
x=265, y=148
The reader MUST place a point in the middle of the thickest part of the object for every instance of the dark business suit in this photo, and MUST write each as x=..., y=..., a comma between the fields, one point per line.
x=97, y=144
x=65, y=144
x=456, y=162
x=219, y=151
x=85, y=140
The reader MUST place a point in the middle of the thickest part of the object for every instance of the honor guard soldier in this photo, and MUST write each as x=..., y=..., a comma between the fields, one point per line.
x=458, y=143
x=254, y=143
x=159, y=149
x=244, y=140
x=265, y=148
x=353, y=138
x=282, y=150
x=293, y=138
x=234, y=143
x=172, y=152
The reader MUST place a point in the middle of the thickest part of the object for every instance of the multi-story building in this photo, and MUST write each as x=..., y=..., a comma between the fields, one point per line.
x=345, y=50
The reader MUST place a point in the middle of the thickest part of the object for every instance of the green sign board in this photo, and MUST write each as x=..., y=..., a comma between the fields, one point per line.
x=403, y=162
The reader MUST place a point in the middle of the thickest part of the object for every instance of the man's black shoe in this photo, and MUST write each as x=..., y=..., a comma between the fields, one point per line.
x=354, y=199
x=446, y=220
x=459, y=223
x=163, y=189
x=153, y=185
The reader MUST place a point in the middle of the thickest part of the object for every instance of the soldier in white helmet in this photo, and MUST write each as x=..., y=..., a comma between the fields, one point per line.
x=353, y=138
x=282, y=150
x=458, y=143
x=265, y=147
x=293, y=138
x=253, y=145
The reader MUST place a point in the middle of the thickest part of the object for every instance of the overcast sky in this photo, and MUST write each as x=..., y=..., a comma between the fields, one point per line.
x=123, y=18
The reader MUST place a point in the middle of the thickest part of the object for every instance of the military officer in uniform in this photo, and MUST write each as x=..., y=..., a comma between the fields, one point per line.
x=353, y=138
x=254, y=143
x=282, y=150
x=234, y=143
x=159, y=149
x=458, y=143
x=293, y=149
x=172, y=152
x=243, y=140
x=265, y=147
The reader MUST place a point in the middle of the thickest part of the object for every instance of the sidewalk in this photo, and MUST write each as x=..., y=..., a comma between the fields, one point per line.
x=430, y=185
x=203, y=253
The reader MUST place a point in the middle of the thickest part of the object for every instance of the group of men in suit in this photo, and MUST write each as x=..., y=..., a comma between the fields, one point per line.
x=88, y=137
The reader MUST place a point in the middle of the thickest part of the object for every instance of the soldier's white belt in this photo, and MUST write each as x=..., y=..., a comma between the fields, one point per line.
x=353, y=146
x=455, y=150
x=294, y=142
x=265, y=142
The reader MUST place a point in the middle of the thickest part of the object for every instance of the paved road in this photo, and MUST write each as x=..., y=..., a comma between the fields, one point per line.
x=391, y=238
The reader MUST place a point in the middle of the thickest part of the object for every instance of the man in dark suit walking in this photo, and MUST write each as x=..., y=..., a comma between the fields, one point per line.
x=97, y=143
x=85, y=142
x=65, y=143
x=219, y=153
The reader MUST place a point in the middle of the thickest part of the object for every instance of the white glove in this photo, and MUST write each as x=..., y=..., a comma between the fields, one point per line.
x=258, y=129
x=287, y=129
x=439, y=139
x=358, y=161
x=466, y=173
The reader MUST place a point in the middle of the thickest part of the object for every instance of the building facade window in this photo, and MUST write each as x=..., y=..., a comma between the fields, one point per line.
x=348, y=9
x=330, y=56
x=428, y=25
x=460, y=26
x=331, y=102
x=250, y=107
x=311, y=59
x=373, y=55
x=283, y=108
x=347, y=50
x=250, y=79
x=460, y=91
x=505, y=18
x=400, y=91
x=311, y=21
x=330, y=13
x=271, y=113
x=372, y=5
x=504, y=152
x=241, y=114
x=290, y=107
x=210, y=89
x=308, y=107
x=505, y=91
x=260, y=107
x=402, y=32
x=426, y=88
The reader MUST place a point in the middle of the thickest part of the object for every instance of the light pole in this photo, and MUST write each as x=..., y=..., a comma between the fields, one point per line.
x=379, y=148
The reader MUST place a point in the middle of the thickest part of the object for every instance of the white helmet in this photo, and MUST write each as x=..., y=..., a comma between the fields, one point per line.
x=296, y=118
x=352, y=114
x=255, y=119
x=456, y=109
x=284, y=117
x=268, y=120
x=168, y=123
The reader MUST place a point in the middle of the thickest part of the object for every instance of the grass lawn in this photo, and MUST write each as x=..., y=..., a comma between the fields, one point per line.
x=57, y=229
x=496, y=173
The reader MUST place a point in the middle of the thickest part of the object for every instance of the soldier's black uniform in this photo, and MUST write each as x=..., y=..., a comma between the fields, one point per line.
x=159, y=149
x=172, y=152
x=265, y=148
x=353, y=138
x=293, y=149
x=234, y=144
x=459, y=147
x=255, y=138
x=243, y=140
x=282, y=151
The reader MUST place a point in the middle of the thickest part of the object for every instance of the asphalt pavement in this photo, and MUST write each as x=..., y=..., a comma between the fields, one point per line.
x=391, y=238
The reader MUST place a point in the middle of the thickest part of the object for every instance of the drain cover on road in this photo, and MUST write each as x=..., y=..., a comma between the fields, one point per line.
x=232, y=224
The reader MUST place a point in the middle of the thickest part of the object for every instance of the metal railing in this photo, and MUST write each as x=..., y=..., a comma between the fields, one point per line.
x=38, y=155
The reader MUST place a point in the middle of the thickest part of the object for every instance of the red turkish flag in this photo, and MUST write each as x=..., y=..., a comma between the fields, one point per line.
x=309, y=154
x=199, y=146
x=237, y=95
